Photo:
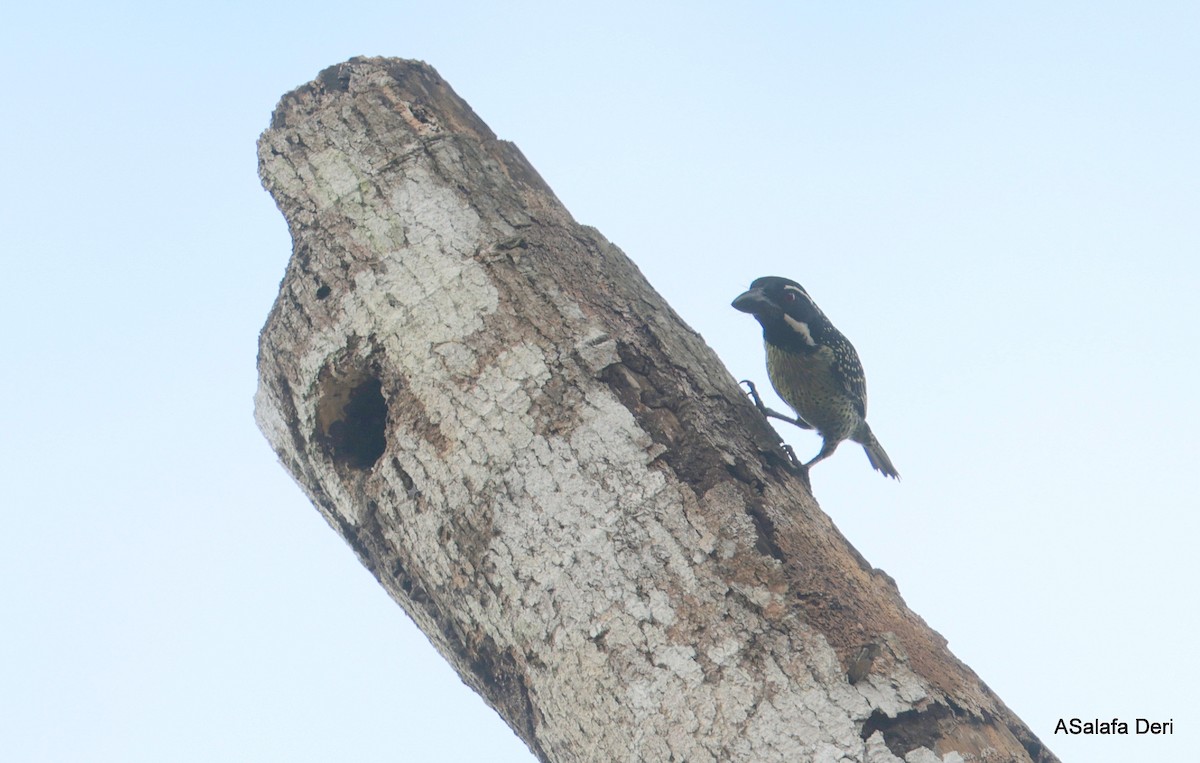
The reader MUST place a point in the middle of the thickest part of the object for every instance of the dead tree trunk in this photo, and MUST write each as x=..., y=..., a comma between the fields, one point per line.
x=554, y=476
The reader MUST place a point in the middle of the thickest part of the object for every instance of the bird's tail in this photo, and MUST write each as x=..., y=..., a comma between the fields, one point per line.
x=876, y=454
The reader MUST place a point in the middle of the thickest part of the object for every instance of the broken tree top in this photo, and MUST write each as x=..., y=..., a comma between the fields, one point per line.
x=554, y=476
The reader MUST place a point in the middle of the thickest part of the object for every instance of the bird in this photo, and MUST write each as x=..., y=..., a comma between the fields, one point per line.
x=813, y=368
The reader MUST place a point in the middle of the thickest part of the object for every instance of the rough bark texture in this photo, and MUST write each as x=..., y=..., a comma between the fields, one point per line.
x=555, y=477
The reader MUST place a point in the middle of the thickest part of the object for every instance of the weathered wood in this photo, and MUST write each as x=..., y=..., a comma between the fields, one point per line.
x=554, y=476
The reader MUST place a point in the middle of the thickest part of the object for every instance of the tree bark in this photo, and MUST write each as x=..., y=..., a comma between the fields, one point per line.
x=555, y=477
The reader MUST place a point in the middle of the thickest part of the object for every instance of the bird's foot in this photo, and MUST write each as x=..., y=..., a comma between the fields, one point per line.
x=772, y=414
x=797, y=464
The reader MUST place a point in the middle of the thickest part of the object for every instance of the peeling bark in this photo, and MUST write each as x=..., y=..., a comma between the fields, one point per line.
x=555, y=477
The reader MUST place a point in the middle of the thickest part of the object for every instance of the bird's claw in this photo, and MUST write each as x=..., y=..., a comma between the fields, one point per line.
x=769, y=413
x=753, y=392
x=794, y=463
x=792, y=456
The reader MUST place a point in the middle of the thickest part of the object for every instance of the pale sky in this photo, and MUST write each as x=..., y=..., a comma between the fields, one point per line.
x=999, y=203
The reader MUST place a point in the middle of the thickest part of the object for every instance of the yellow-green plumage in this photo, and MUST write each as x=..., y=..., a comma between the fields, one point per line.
x=808, y=384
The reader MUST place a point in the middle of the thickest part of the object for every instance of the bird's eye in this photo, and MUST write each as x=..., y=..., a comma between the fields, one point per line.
x=789, y=296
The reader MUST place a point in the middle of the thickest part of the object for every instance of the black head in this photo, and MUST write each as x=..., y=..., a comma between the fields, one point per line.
x=788, y=315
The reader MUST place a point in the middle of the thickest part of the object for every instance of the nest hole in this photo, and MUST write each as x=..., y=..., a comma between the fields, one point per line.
x=352, y=420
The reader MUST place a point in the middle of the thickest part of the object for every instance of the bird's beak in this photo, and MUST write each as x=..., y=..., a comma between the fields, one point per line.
x=753, y=301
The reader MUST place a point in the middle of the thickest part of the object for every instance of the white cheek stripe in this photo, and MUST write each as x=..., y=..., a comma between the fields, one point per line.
x=800, y=328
